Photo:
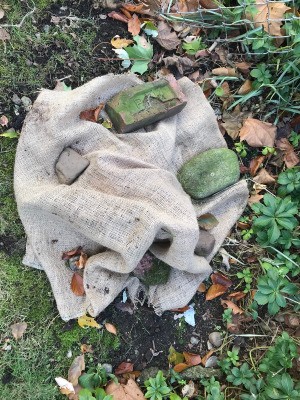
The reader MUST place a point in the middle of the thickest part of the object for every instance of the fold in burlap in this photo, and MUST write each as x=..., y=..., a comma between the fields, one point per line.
x=127, y=197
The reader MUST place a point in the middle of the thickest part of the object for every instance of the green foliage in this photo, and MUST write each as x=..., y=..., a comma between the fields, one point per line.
x=247, y=276
x=287, y=263
x=241, y=149
x=227, y=315
x=271, y=290
x=280, y=356
x=294, y=138
x=289, y=183
x=95, y=377
x=261, y=74
x=241, y=376
x=157, y=387
x=275, y=215
x=247, y=234
x=280, y=387
x=192, y=47
x=212, y=389
x=268, y=151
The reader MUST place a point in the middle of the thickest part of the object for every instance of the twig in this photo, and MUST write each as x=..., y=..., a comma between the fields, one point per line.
x=22, y=20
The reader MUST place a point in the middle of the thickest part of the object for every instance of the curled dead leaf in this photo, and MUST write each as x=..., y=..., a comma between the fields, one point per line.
x=110, y=328
x=134, y=25
x=290, y=157
x=118, y=16
x=86, y=348
x=124, y=368
x=258, y=133
x=191, y=358
x=264, y=177
x=255, y=163
x=91, y=115
x=245, y=88
x=230, y=304
x=180, y=367
x=65, y=386
x=215, y=290
x=218, y=278
x=18, y=329
x=137, y=8
x=223, y=71
x=77, y=284
x=130, y=391
x=243, y=66
x=77, y=366
x=237, y=295
x=233, y=121
x=80, y=264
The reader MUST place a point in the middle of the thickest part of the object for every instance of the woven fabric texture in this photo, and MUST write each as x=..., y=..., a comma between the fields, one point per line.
x=123, y=202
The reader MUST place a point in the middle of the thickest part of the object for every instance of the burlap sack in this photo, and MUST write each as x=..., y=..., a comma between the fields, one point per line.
x=128, y=196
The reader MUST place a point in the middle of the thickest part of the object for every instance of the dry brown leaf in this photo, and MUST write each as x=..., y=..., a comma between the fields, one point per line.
x=80, y=264
x=110, y=328
x=237, y=295
x=230, y=304
x=206, y=357
x=257, y=133
x=233, y=121
x=246, y=87
x=183, y=64
x=270, y=15
x=134, y=25
x=191, y=358
x=254, y=198
x=86, y=348
x=119, y=43
x=91, y=115
x=255, y=163
x=77, y=366
x=208, y=4
x=201, y=288
x=124, y=368
x=77, y=284
x=243, y=66
x=66, y=255
x=167, y=39
x=184, y=6
x=290, y=157
x=264, y=177
x=215, y=290
x=130, y=391
x=218, y=278
x=4, y=35
x=118, y=16
x=181, y=367
x=137, y=8
x=18, y=329
x=225, y=71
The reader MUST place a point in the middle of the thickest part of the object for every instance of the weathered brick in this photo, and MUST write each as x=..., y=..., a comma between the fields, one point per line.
x=144, y=104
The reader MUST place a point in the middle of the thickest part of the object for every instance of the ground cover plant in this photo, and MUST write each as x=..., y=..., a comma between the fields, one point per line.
x=245, y=342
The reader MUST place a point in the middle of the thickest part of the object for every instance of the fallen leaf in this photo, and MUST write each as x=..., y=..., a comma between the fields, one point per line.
x=290, y=157
x=245, y=88
x=223, y=71
x=80, y=264
x=91, y=115
x=18, y=329
x=243, y=225
x=137, y=8
x=243, y=66
x=207, y=356
x=119, y=43
x=254, y=198
x=183, y=64
x=86, y=348
x=218, y=278
x=77, y=366
x=215, y=290
x=207, y=221
x=110, y=328
x=208, y=4
x=258, y=133
x=255, y=163
x=181, y=309
x=191, y=358
x=188, y=390
x=237, y=295
x=124, y=368
x=233, y=121
x=130, y=391
x=3, y=120
x=166, y=38
x=175, y=357
x=85, y=321
x=201, y=288
x=270, y=15
x=65, y=386
x=4, y=35
x=229, y=304
x=180, y=367
x=71, y=253
x=264, y=177
x=118, y=16
x=134, y=25
x=77, y=284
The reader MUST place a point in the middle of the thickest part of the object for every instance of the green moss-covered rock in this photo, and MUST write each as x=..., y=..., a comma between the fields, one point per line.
x=209, y=172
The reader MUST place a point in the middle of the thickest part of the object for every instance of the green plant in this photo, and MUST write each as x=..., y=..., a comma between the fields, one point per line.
x=247, y=234
x=193, y=46
x=157, y=387
x=261, y=74
x=97, y=394
x=247, y=276
x=274, y=215
x=294, y=138
x=233, y=356
x=268, y=151
x=289, y=183
x=241, y=149
x=227, y=316
x=95, y=378
x=272, y=289
x=280, y=387
x=241, y=376
x=287, y=263
x=212, y=389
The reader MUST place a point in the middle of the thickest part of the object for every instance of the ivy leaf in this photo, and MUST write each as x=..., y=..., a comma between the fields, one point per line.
x=141, y=54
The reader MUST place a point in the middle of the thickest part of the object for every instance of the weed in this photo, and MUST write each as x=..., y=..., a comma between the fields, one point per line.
x=294, y=138
x=266, y=151
x=289, y=183
x=247, y=276
x=241, y=149
x=157, y=387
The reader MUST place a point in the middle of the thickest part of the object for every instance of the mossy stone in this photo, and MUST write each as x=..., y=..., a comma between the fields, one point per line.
x=209, y=172
x=158, y=274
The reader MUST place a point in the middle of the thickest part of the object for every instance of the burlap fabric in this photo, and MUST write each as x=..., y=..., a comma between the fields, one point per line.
x=127, y=197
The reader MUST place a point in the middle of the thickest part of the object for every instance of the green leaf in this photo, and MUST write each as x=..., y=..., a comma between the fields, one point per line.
x=273, y=233
x=261, y=298
x=10, y=133
x=287, y=383
x=89, y=381
x=286, y=223
x=280, y=300
x=85, y=394
x=262, y=221
x=273, y=308
x=140, y=54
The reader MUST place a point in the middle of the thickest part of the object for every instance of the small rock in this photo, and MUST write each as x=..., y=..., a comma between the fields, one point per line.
x=209, y=172
x=144, y=104
x=215, y=339
x=16, y=99
x=205, y=244
x=194, y=340
x=211, y=362
x=69, y=166
x=108, y=368
x=27, y=103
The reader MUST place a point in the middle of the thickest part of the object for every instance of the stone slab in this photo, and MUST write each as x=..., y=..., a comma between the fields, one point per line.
x=69, y=166
x=205, y=244
x=144, y=104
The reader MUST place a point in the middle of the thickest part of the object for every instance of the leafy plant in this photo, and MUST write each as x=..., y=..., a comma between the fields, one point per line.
x=99, y=394
x=280, y=387
x=157, y=387
x=294, y=138
x=227, y=315
x=247, y=234
x=233, y=356
x=193, y=46
x=268, y=151
x=241, y=149
x=275, y=215
x=289, y=183
x=247, y=277
x=241, y=376
x=287, y=263
x=95, y=377
x=212, y=389
x=271, y=290
x=261, y=74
